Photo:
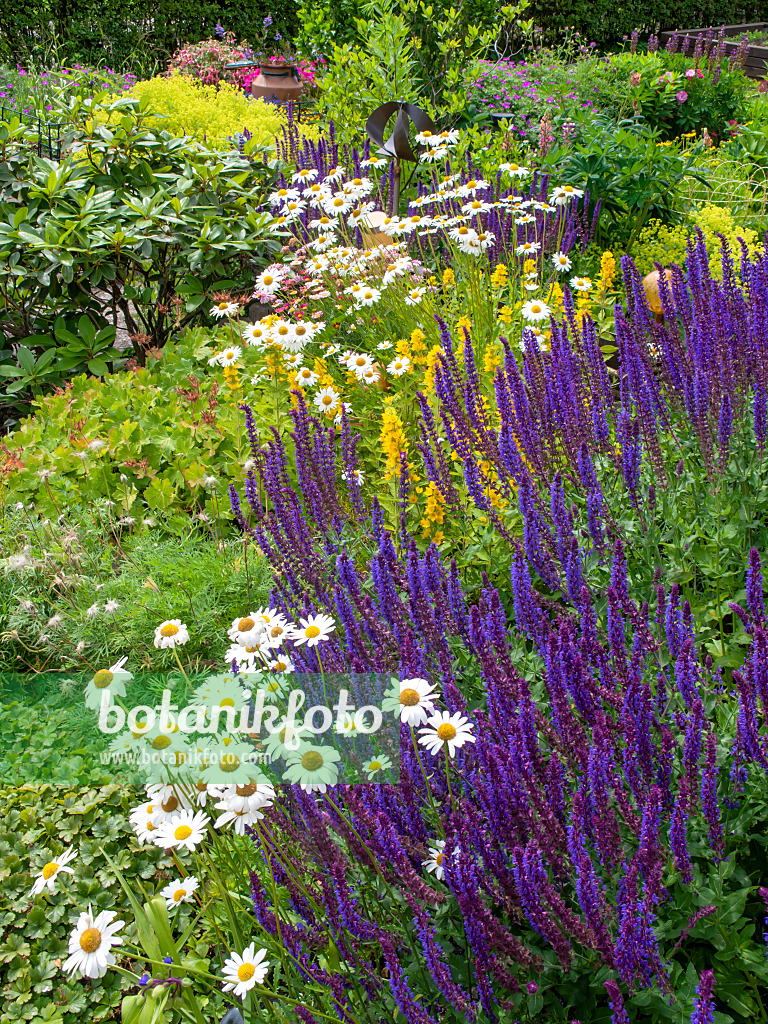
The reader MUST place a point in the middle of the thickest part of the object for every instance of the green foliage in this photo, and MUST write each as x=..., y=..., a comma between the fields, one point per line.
x=666, y=245
x=623, y=166
x=86, y=591
x=39, y=821
x=134, y=35
x=606, y=22
x=211, y=115
x=160, y=439
x=131, y=220
x=409, y=50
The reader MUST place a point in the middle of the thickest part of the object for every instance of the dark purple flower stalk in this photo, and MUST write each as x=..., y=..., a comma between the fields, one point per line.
x=704, y=1005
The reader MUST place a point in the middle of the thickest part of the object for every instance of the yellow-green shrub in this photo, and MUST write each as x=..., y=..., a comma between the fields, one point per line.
x=659, y=243
x=210, y=114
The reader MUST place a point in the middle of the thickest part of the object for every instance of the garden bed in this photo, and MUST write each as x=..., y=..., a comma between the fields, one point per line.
x=757, y=58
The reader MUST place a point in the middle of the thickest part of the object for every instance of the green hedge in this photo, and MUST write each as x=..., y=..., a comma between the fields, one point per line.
x=128, y=34
x=605, y=21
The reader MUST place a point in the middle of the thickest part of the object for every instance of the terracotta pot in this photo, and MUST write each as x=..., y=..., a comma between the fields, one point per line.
x=279, y=82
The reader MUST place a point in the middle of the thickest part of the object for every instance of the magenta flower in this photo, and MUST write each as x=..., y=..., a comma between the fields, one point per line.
x=682, y=96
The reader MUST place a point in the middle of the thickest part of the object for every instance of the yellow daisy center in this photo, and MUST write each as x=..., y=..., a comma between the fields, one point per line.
x=312, y=632
x=182, y=832
x=223, y=305
x=280, y=666
x=268, y=279
x=245, y=972
x=535, y=308
x=409, y=697
x=161, y=742
x=312, y=761
x=439, y=859
x=169, y=629
x=374, y=766
x=50, y=869
x=300, y=331
x=90, y=940
x=102, y=678
x=179, y=895
x=247, y=790
x=229, y=763
x=446, y=731
x=170, y=804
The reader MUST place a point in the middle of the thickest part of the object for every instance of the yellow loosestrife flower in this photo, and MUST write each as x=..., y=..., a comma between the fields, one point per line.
x=449, y=277
x=393, y=440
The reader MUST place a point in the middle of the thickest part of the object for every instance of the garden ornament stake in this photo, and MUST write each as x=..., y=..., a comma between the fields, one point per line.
x=398, y=145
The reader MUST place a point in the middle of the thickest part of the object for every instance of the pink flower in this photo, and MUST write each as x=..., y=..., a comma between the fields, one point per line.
x=681, y=96
x=690, y=73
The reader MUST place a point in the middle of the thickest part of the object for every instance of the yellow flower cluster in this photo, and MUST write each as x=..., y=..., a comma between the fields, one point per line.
x=433, y=357
x=449, y=278
x=505, y=315
x=393, y=440
x=462, y=322
x=434, y=514
x=499, y=276
x=607, y=269
x=232, y=377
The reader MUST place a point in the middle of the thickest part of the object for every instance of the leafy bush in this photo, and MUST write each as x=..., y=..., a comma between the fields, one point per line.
x=131, y=220
x=659, y=243
x=212, y=114
x=81, y=591
x=165, y=438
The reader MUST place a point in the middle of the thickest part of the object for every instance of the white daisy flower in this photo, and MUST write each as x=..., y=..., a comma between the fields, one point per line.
x=435, y=862
x=91, y=942
x=281, y=664
x=306, y=174
x=314, y=768
x=182, y=890
x=230, y=356
x=376, y=765
x=399, y=366
x=433, y=155
x=411, y=699
x=446, y=730
x=50, y=871
x=338, y=204
x=358, y=362
x=249, y=796
x=283, y=195
x=462, y=232
x=515, y=170
x=312, y=630
x=414, y=296
x=171, y=633
x=536, y=310
x=327, y=399
x=374, y=161
x=384, y=345
x=268, y=281
x=107, y=680
x=238, y=818
x=242, y=973
x=563, y=193
x=223, y=309
x=324, y=223
x=560, y=261
x=306, y=377
x=293, y=360
x=470, y=187
x=357, y=474
x=246, y=628
x=528, y=248
x=184, y=830
x=335, y=173
x=581, y=284
x=368, y=297
x=249, y=657
x=368, y=376
x=475, y=206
